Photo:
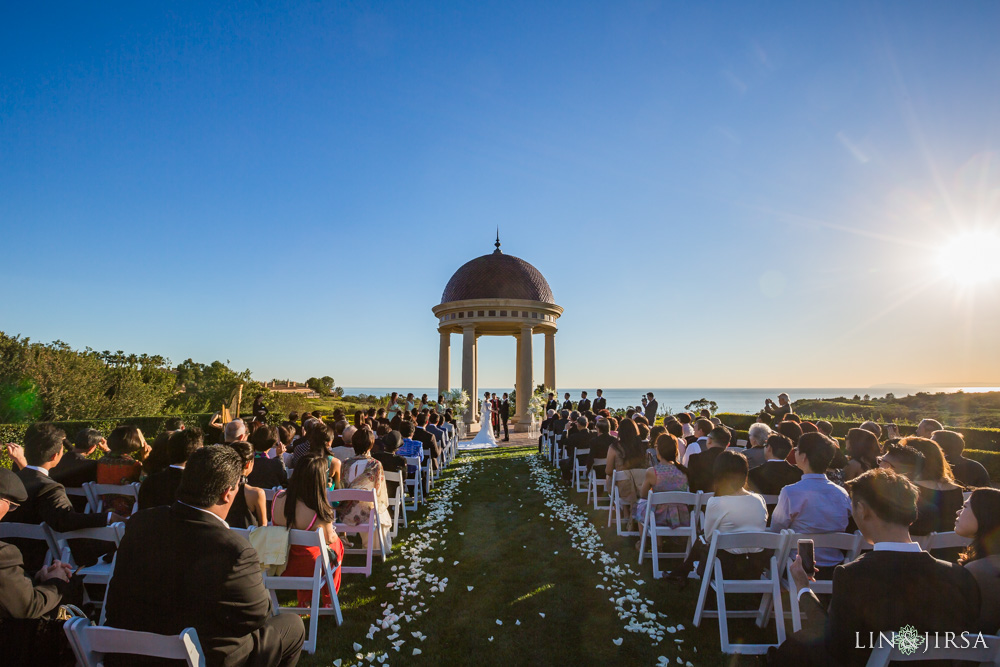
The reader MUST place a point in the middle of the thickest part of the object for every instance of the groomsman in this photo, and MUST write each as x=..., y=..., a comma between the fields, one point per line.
x=505, y=416
x=584, y=404
x=553, y=404
x=600, y=403
x=495, y=415
x=567, y=404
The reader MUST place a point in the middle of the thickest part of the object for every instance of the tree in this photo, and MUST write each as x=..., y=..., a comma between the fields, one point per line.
x=322, y=386
x=702, y=404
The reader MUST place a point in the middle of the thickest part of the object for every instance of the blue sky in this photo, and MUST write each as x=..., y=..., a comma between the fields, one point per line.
x=729, y=194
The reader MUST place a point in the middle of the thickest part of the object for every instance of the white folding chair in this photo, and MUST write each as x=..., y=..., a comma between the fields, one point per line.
x=371, y=532
x=413, y=480
x=848, y=543
x=741, y=443
x=322, y=575
x=31, y=531
x=769, y=587
x=596, y=483
x=91, y=643
x=617, y=505
x=96, y=492
x=770, y=501
x=429, y=475
x=80, y=492
x=882, y=655
x=397, y=502
x=269, y=494
x=98, y=574
x=652, y=530
x=580, y=470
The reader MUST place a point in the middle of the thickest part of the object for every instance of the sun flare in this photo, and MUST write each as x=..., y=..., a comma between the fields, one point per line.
x=972, y=258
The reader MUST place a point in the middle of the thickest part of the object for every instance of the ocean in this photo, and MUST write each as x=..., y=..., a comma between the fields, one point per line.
x=674, y=400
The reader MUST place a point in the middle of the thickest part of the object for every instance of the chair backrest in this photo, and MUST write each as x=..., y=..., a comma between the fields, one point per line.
x=770, y=500
x=413, y=461
x=342, y=495
x=849, y=543
x=749, y=540
x=96, y=492
x=23, y=531
x=599, y=463
x=269, y=494
x=112, y=533
x=92, y=643
x=948, y=540
x=397, y=477
x=678, y=497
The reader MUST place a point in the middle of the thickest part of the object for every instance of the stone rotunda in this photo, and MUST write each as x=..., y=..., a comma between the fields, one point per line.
x=497, y=295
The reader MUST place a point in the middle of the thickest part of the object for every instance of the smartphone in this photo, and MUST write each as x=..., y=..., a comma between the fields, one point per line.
x=892, y=431
x=808, y=556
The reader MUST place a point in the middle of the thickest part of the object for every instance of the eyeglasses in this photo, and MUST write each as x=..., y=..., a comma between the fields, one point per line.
x=11, y=503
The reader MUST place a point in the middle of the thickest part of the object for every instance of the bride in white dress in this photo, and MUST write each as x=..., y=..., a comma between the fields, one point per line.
x=485, y=435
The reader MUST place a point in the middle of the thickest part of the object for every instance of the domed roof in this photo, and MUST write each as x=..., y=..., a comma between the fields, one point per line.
x=497, y=276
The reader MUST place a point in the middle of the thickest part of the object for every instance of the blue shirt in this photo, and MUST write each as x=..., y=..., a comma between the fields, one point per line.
x=412, y=449
x=814, y=505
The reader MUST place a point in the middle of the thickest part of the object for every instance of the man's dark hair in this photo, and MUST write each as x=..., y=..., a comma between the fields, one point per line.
x=209, y=473
x=582, y=422
x=891, y=496
x=704, y=425
x=316, y=414
x=264, y=438
x=406, y=429
x=780, y=445
x=603, y=426
x=182, y=444
x=790, y=430
x=730, y=464
x=175, y=424
x=951, y=443
x=432, y=418
x=42, y=442
x=825, y=427
x=818, y=449
x=683, y=418
x=422, y=419
x=792, y=417
x=720, y=435
x=674, y=428
x=87, y=438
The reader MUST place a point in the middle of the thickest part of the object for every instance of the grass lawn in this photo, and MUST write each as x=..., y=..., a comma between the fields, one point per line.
x=520, y=566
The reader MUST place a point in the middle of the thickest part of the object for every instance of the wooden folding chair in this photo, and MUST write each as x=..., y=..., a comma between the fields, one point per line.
x=91, y=643
x=769, y=587
x=371, y=532
x=651, y=530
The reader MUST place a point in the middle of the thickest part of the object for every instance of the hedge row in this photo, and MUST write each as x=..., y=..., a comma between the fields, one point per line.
x=981, y=439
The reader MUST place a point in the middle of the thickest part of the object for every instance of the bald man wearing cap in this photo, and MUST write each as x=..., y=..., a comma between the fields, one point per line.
x=20, y=597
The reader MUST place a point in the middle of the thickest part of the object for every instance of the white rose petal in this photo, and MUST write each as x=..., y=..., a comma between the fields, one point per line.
x=617, y=642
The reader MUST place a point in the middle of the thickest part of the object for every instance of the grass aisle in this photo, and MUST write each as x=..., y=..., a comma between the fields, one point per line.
x=499, y=539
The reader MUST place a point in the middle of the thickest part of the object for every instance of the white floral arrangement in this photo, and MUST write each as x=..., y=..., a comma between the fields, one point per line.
x=457, y=401
x=536, y=406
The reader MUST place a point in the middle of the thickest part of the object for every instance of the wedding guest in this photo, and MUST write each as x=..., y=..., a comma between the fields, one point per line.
x=732, y=509
x=825, y=427
x=651, y=407
x=76, y=468
x=267, y=473
x=650, y=437
x=160, y=488
x=886, y=587
x=814, y=504
x=701, y=466
x=249, y=508
x=776, y=473
x=584, y=404
x=755, y=453
x=319, y=438
x=940, y=498
x=159, y=456
x=304, y=506
x=339, y=447
x=676, y=429
x=600, y=403
x=779, y=411
x=926, y=428
x=873, y=428
x=666, y=475
x=391, y=461
x=364, y=472
x=862, y=452
x=440, y=435
x=579, y=439
x=967, y=472
x=903, y=460
x=790, y=430
x=685, y=420
x=627, y=454
x=979, y=521
x=600, y=445
x=702, y=428
x=122, y=465
x=430, y=444
x=181, y=566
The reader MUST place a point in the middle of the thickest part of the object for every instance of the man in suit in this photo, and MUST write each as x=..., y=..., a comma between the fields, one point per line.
x=967, y=472
x=20, y=597
x=160, y=488
x=505, y=416
x=434, y=421
x=700, y=465
x=390, y=459
x=775, y=473
x=267, y=472
x=76, y=468
x=429, y=442
x=894, y=585
x=553, y=404
x=579, y=438
x=495, y=415
x=567, y=403
x=600, y=403
x=46, y=498
x=600, y=445
x=181, y=566
x=651, y=408
x=584, y=404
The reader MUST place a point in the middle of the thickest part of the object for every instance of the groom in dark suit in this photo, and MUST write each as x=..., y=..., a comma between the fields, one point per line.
x=181, y=566
x=505, y=417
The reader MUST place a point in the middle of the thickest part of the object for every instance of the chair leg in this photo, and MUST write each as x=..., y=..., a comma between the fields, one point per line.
x=779, y=613
x=720, y=598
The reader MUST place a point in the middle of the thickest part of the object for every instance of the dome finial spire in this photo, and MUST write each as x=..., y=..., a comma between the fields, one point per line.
x=497, y=244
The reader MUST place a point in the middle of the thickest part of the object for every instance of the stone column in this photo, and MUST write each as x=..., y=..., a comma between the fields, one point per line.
x=517, y=374
x=524, y=384
x=476, y=400
x=469, y=369
x=550, y=360
x=444, y=363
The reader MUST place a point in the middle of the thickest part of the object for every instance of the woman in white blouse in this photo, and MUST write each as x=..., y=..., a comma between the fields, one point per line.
x=732, y=509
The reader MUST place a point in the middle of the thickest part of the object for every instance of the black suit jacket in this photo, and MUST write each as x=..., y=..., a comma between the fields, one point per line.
x=700, y=476
x=428, y=441
x=881, y=592
x=583, y=405
x=505, y=409
x=47, y=502
x=651, y=408
x=19, y=597
x=600, y=403
x=391, y=463
x=578, y=440
x=771, y=477
x=74, y=470
x=179, y=567
x=567, y=405
x=599, y=447
x=267, y=473
x=160, y=488
x=552, y=405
